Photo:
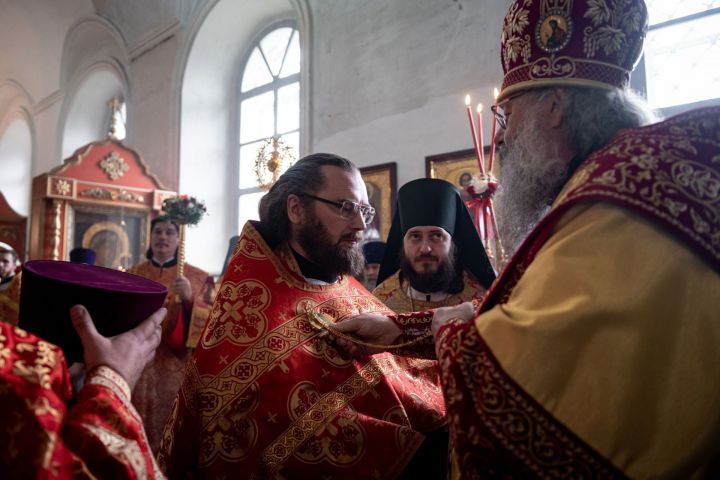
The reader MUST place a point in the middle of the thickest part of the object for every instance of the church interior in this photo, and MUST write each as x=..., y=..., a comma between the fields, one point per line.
x=200, y=97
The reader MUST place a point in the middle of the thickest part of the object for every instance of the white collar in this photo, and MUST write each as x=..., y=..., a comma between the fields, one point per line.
x=422, y=296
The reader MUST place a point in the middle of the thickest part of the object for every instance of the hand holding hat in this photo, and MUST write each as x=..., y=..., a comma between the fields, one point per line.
x=127, y=353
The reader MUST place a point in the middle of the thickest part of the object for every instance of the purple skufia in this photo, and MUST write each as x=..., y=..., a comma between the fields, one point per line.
x=117, y=301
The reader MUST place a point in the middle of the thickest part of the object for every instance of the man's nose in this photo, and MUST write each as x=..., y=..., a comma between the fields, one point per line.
x=499, y=137
x=425, y=246
x=358, y=222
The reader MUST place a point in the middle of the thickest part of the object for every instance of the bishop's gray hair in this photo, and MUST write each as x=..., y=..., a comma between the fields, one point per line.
x=593, y=116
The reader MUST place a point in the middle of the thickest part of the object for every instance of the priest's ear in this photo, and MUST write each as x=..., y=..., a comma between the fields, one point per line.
x=295, y=209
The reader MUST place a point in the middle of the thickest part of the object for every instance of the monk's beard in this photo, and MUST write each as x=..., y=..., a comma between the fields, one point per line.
x=531, y=176
x=447, y=278
x=333, y=258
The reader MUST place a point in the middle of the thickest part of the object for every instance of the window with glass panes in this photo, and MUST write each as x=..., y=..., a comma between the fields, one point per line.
x=269, y=107
x=681, y=64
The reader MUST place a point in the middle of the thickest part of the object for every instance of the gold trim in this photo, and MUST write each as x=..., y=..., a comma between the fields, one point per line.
x=56, y=230
x=106, y=194
x=555, y=82
x=320, y=413
x=62, y=187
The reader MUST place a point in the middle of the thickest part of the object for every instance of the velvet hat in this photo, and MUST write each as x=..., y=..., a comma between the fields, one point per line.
x=373, y=251
x=431, y=201
x=117, y=301
x=590, y=43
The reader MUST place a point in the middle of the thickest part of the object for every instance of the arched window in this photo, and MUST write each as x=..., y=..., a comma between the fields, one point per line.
x=269, y=106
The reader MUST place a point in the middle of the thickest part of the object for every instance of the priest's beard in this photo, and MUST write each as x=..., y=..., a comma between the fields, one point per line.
x=447, y=278
x=531, y=176
x=333, y=258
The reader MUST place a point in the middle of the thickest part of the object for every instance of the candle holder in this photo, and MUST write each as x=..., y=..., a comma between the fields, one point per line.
x=481, y=190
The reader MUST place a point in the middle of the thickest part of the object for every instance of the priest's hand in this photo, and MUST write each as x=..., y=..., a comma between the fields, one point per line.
x=127, y=353
x=370, y=328
x=182, y=287
x=463, y=312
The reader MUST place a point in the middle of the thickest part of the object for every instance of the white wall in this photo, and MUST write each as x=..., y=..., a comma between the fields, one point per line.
x=15, y=160
x=390, y=77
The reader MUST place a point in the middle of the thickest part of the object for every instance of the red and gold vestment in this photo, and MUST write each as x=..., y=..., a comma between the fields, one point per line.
x=10, y=301
x=156, y=389
x=100, y=436
x=394, y=293
x=265, y=396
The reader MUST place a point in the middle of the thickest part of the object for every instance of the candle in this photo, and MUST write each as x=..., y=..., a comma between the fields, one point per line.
x=473, y=133
x=480, y=136
x=492, y=135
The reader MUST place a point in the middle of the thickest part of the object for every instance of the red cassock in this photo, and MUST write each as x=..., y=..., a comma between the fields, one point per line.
x=265, y=396
x=100, y=436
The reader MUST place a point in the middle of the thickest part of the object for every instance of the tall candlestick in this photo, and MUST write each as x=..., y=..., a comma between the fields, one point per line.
x=480, y=135
x=492, y=135
x=473, y=133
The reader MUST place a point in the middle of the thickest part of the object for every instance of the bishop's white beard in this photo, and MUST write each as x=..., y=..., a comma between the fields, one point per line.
x=531, y=176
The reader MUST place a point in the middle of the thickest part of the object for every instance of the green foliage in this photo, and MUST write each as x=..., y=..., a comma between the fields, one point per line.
x=184, y=209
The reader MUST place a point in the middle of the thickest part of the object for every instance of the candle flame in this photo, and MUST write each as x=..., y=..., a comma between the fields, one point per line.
x=467, y=99
x=479, y=108
x=496, y=93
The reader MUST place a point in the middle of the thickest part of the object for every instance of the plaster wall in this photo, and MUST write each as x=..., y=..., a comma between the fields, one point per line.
x=390, y=77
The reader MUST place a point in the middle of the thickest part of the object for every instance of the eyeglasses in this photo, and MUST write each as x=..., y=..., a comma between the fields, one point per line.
x=348, y=209
x=499, y=116
x=499, y=110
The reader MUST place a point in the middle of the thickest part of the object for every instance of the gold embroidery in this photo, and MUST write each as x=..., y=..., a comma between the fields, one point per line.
x=249, y=248
x=107, y=377
x=614, y=24
x=232, y=436
x=121, y=447
x=220, y=391
x=515, y=45
x=45, y=360
x=342, y=431
x=320, y=413
x=238, y=314
x=552, y=67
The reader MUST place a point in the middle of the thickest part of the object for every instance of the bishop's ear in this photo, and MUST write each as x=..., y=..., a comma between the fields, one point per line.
x=556, y=110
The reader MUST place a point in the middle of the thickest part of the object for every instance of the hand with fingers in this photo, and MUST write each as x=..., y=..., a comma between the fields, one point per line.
x=182, y=287
x=369, y=328
x=463, y=312
x=127, y=353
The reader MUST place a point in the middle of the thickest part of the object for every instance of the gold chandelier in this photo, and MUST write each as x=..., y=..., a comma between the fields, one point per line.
x=273, y=158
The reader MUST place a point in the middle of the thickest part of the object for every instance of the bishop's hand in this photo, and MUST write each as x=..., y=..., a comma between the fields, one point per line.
x=369, y=328
x=463, y=312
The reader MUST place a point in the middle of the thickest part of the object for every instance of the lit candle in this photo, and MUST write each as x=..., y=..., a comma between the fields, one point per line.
x=480, y=136
x=473, y=133
x=492, y=135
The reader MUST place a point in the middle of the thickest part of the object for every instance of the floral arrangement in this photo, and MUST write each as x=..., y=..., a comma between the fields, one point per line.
x=184, y=209
x=483, y=186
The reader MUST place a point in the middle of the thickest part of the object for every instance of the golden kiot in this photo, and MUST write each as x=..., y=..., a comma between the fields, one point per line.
x=321, y=321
